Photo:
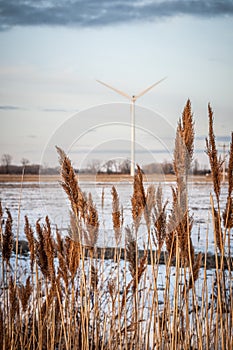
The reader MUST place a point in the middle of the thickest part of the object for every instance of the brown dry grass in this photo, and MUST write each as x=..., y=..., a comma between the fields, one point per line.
x=109, y=178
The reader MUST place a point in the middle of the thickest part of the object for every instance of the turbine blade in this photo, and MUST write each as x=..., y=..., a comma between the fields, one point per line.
x=116, y=90
x=148, y=89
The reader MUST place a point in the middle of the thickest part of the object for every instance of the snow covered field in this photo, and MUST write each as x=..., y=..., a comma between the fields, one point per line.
x=36, y=200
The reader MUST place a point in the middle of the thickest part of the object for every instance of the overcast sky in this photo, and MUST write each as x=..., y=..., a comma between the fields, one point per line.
x=52, y=52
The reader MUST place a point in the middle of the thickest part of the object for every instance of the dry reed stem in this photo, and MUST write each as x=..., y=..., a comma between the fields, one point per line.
x=230, y=168
x=2, y=329
x=102, y=198
x=172, y=222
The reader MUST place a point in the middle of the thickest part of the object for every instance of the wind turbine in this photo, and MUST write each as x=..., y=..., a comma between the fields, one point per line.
x=132, y=99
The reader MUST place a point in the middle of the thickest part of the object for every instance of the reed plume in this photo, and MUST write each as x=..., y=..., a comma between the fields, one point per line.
x=49, y=248
x=1, y=223
x=116, y=215
x=61, y=254
x=112, y=289
x=70, y=185
x=184, y=239
x=180, y=222
x=216, y=171
x=139, y=199
x=183, y=153
x=75, y=228
x=159, y=219
x=136, y=266
x=24, y=292
x=7, y=238
x=41, y=256
x=215, y=162
x=72, y=256
x=228, y=212
x=150, y=198
x=46, y=306
x=196, y=269
x=94, y=277
x=69, y=255
x=14, y=301
x=30, y=238
x=92, y=225
x=150, y=202
x=1, y=213
x=186, y=127
x=131, y=251
x=142, y=265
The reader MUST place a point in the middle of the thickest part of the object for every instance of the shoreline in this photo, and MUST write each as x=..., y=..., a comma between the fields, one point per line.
x=109, y=253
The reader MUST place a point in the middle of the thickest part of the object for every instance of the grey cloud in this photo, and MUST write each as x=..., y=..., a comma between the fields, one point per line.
x=10, y=108
x=219, y=138
x=59, y=110
x=87, y=13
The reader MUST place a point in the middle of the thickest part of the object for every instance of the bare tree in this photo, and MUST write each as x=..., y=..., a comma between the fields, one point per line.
x=24, y=162
x=125, y=166
x=93, y=166
x=6, y=161
x=110, y=166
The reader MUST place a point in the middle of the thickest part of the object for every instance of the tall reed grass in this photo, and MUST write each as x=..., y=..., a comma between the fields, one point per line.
x=69, y=298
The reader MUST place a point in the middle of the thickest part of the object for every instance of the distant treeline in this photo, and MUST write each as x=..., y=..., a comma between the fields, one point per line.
x=33, y=169
x=167, y=168
x=153, y=168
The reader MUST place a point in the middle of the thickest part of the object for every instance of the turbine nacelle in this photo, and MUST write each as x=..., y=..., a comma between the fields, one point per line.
x=133, y=98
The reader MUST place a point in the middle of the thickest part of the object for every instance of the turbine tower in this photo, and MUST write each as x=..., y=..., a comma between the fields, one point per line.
x=132, y=99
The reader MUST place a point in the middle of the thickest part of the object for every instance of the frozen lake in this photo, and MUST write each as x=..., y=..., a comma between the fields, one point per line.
x=36, y=200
